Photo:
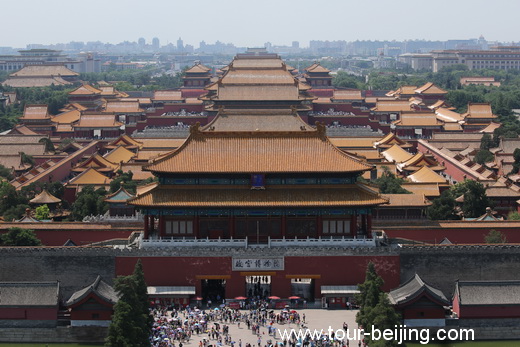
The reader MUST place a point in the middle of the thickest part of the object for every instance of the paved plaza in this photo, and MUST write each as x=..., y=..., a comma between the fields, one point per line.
x=315, y=319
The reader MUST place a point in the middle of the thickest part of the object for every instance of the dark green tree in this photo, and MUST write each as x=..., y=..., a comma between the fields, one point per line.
x=20, y=237
x=27, y=159
x=6, y=173
x=49, y=146
x=368, y=296
x=475, y=199
x=125, y=179
x=513, y=215
x=141, y=290
x=375, y=308
x=486, y=142
x=390, y=184
x=442, y=208
x=516, y=163
x=11, y=200
x=384, y=316
x=484, y=156
x=346, y=80
x=89, y=202
x=15, y=212
x=131, y=322
x=495, y=236
x=42, y=212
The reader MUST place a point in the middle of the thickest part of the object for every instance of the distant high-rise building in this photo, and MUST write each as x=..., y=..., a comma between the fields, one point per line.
x=295, y=44
x=180, y=44
x=268, y=46
x=155, y=43
x=141, y=42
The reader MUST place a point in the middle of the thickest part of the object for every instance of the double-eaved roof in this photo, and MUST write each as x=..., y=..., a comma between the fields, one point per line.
x=257, y=78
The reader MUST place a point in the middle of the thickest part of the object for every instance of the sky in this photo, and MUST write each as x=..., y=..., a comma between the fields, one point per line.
x=250, y=23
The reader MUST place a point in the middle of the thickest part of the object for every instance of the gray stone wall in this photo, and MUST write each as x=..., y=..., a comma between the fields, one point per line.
x=442, y=266
x=59, y=334
x=75, y=268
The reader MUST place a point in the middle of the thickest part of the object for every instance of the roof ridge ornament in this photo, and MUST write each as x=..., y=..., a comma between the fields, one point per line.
x=195, y=129
x=320, y=127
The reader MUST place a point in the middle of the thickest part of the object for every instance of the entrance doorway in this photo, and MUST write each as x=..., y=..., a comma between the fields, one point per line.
x=214, y=290
x=303, y=287
x=258, y=286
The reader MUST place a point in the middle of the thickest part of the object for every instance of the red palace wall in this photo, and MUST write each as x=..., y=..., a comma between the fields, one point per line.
x=169, y=121
x=29, y=313
x=78, y=312
x=88, y=315
x=176, y=108
x=454, y=171
x=417, y=313
x=468, y=312
x=333, y=270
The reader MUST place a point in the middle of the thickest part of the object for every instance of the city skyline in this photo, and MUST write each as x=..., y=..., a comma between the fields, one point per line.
x=247, y=24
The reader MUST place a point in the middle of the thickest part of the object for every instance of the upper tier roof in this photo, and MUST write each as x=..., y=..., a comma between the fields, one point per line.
x=257, y=78
x=257, y=120
x=257, y=152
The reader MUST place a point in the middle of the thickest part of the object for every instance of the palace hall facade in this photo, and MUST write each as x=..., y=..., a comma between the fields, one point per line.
x=258, y=177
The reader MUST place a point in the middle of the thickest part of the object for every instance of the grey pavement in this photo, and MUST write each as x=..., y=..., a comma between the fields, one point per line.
x=315, y=319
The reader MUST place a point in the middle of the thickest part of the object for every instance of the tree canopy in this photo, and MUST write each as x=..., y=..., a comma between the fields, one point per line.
x=495, y=236
x=475, y=199
x=442, y=208
x=484, y=156
x=89, y=202
x=42, y=212
x=131, y=323
x=20, y=237
x=123, y=179
x=346, y=80
x=375, y=308
x=390, y=184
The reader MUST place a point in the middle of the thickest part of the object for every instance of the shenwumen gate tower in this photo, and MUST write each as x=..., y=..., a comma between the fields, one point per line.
x=257, y=171
x=257, y=202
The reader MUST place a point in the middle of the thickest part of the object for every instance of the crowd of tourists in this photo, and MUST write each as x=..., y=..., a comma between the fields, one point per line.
x=175, y=327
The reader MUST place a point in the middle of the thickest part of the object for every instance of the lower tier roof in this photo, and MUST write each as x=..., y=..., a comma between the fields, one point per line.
x=169, y=196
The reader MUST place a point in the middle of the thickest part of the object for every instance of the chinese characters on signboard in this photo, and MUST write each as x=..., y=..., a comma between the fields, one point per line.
x=264, y=264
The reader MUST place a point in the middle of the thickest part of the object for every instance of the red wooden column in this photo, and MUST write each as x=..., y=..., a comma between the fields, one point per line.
x=369, y=225
x=364, y=224
x=162, y=231
x=152, y=223
x=146, y=231
x=319, y=226
x=196, y=226
x=353, y=224
x=284, y=224
x=232, y=227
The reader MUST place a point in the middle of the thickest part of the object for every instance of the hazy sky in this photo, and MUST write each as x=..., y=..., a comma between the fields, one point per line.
x=252, y=23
